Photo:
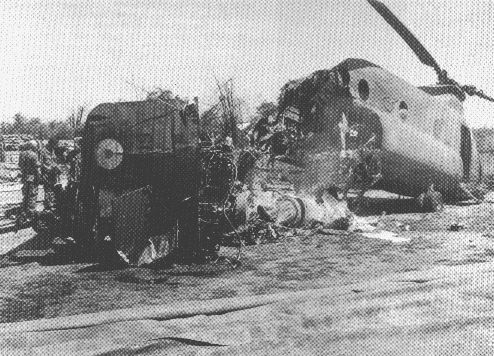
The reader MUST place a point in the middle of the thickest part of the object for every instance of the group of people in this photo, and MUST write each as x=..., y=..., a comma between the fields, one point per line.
x=41, y=165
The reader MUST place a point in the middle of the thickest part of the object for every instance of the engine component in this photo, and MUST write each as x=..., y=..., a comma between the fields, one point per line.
x=216, y=202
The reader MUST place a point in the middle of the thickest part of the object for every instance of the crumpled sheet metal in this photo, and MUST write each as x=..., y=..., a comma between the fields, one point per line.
x=291, y=210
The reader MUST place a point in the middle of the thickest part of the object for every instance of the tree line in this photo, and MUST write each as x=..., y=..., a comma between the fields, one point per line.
x=42, y=130
x=218, y=118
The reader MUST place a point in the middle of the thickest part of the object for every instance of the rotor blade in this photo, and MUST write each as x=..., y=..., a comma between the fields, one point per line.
x=424, y=56
x=471, y=90
x=484, y=96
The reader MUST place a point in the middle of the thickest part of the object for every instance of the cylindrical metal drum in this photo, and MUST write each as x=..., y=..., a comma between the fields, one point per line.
x=290, y=211
x=293, y=211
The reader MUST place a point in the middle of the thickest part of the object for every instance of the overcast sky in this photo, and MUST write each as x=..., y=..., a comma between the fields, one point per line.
x=56, y=55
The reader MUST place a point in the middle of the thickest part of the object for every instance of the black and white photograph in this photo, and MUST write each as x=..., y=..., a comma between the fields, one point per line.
x=247, y=177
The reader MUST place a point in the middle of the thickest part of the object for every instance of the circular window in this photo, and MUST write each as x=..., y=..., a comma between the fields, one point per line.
x=363, y=89
x=403, y=110
x=109, y=153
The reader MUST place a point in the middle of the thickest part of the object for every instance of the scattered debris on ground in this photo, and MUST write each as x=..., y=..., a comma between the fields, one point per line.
x=273, y=212
x=456, y=227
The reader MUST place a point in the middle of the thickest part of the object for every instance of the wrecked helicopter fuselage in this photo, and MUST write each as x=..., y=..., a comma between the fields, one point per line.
x=359, y=126
x=419, y=135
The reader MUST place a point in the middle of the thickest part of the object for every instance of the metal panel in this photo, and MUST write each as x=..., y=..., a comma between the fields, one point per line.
x=130, y=213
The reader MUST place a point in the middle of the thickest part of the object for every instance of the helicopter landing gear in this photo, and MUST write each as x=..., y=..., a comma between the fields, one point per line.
x=364, y=174
x=430, y=201
x=360, y=201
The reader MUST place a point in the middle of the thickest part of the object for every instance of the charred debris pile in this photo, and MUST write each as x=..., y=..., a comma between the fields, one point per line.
x=148, y=192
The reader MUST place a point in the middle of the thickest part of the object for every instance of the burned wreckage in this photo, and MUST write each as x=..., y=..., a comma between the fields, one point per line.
x=336, y=141
x=360, y=126
x=147, y=185
x=150, y=187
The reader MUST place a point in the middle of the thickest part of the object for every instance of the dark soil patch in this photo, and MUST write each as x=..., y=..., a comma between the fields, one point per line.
x=467, y=261
x=31, y=299
x=219, y=293
x=137, y=280
x=206, y=270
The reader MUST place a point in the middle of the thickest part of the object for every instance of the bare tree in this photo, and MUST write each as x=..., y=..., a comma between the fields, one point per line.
x=222, y=118
x=75, y=119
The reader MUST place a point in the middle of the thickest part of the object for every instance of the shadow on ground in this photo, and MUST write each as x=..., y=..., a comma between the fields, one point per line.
x=42, y=249
x=30, y=300
x=376, y=206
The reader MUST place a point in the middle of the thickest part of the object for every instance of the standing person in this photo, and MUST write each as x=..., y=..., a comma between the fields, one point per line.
x=29, y=166
x=50, y=173
x=2, y=149
x=74, y=159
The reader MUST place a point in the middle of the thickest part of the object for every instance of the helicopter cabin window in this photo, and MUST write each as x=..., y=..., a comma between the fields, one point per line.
x=403, y=110
x=363, y=89
x=154, y=135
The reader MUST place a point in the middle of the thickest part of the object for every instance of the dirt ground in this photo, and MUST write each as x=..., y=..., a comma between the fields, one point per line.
x=427, y=305
x=36, y=283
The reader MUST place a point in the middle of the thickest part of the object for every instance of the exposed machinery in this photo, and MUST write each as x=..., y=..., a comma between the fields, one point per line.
x=393, y=135
x=145, y=174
